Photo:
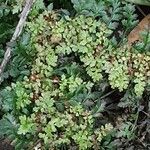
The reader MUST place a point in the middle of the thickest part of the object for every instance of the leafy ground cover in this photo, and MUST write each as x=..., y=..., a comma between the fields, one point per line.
x=75, y=80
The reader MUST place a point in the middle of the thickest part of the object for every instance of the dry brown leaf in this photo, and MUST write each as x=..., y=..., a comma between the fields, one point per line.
x=135, y=33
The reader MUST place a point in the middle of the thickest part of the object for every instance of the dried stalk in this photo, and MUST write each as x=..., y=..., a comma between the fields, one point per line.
x=16, y=34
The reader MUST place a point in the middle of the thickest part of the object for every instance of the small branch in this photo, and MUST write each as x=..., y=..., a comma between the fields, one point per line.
x=16, y=34
x=141, y=11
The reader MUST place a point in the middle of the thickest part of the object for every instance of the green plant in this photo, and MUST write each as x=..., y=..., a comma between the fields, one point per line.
x=143, y=45
x=62, y=74
x=126, y=130
x=113, y=13
x=38, y=101
x=21, y=60
x=44, y=118
x=96, y=54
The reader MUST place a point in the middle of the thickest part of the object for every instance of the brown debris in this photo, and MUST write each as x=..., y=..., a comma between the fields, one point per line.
x=135, y=33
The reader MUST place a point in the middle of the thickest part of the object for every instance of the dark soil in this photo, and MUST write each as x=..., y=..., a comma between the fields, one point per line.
x=5, y=145
x=142, y=11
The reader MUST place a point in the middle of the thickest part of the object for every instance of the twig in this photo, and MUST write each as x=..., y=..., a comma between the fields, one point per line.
x=16, y=34
x=141, y=11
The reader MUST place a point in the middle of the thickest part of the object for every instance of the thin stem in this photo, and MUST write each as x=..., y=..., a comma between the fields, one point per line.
x=16, y=34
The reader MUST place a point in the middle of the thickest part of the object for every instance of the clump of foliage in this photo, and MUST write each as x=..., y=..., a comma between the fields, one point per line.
x=40, y=100
x=113, y=13
x=88, y=40
x=44, y=117
x=67, y=63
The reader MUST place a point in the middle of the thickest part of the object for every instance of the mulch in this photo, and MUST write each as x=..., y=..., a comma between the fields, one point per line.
x=5, y=144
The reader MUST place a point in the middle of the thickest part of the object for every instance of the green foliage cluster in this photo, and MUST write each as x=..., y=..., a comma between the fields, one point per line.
x=41, y=115
x=113, y=13
x=88, y=39
x=60, y=69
